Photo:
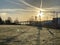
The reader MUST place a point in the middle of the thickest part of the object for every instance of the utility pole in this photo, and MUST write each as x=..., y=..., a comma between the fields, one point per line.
x=39, y=27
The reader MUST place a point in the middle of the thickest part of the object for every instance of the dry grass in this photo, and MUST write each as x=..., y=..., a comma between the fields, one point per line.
x=27, y=35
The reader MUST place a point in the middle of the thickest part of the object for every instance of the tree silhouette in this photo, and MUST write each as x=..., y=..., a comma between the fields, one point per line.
x=1, y=21
x=16, y=22
x=31, y=20
x=8, y=21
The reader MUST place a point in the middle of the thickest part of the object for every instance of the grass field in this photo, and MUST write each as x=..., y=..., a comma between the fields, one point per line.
x=28, y=35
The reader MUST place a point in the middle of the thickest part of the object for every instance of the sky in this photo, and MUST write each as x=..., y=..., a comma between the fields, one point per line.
x=24, y=9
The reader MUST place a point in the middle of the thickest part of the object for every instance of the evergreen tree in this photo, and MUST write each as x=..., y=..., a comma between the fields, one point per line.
x=1, y=21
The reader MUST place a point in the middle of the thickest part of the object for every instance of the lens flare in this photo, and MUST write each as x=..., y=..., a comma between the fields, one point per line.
x=40, y=14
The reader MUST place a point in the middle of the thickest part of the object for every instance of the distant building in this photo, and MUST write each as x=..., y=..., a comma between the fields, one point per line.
x=56, y=22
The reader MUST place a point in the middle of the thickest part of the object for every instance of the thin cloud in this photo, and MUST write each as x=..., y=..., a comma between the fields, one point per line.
x=22, y=1
x=28, y=4
x=12, y=2
x=3, y=10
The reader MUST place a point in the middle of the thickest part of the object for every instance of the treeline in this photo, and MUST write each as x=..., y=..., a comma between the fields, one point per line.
x=8, y=21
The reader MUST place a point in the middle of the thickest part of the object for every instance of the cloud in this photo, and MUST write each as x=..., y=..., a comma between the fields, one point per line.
x=22, y=2
x=54, y=8
x=28, y=4
x=13, y=10
x=4, y=15
x=17, y=13
x=14, y=2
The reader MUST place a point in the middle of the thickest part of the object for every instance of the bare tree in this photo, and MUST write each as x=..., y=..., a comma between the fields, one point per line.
x=16, y=22
x=8, y=21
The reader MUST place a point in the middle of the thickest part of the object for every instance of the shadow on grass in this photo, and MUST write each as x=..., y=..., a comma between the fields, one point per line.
x=38, y=34
x=7, y=40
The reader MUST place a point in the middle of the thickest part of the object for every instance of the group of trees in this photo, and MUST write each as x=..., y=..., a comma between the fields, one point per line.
x=8, y=21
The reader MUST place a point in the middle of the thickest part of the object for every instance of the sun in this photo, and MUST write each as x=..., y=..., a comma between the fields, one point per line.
x=40, y=14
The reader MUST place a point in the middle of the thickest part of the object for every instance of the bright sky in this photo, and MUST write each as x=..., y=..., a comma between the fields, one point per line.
x=24, y=9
